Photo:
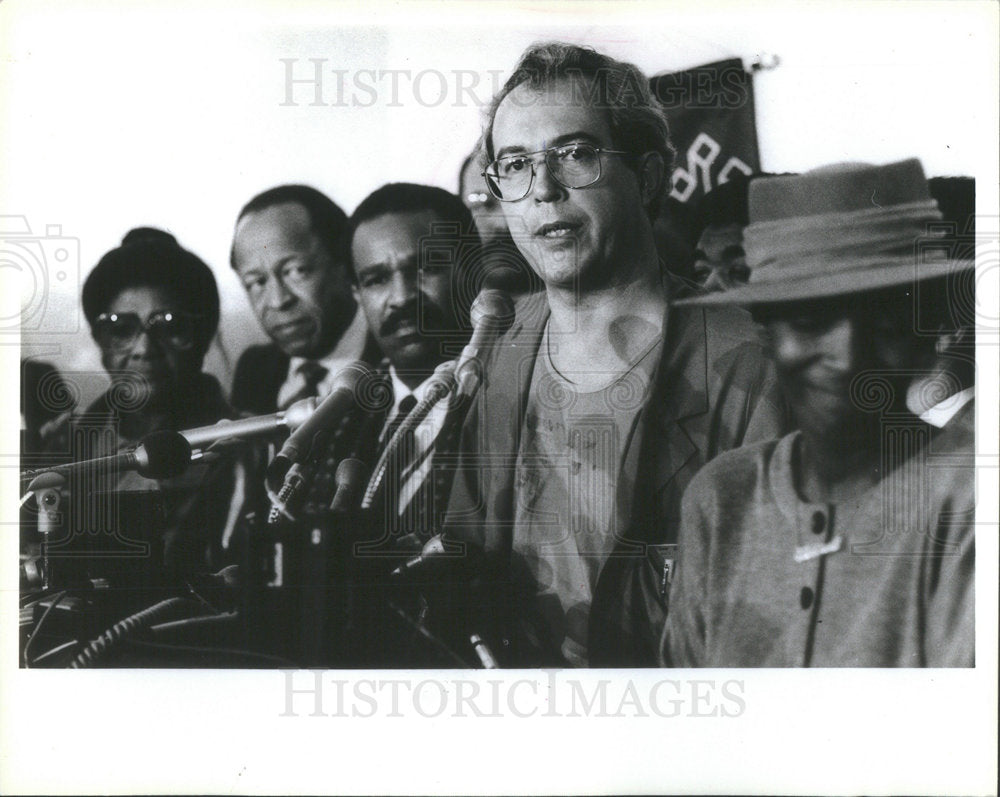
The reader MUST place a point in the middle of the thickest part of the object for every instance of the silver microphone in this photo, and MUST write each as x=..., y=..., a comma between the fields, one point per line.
x=291, y=418
x=492, y=313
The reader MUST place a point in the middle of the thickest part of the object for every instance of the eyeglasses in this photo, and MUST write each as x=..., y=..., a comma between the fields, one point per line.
x=120, y=331
x=571, y=165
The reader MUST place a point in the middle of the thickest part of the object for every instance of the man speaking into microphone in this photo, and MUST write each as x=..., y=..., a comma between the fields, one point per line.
x=598, y=405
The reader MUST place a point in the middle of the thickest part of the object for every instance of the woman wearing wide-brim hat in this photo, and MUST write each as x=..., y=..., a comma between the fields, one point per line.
x=849, y=541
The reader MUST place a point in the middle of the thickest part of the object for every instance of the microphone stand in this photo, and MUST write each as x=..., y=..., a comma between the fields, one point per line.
x=442, y=385
x=49, y=499
x=305, y=603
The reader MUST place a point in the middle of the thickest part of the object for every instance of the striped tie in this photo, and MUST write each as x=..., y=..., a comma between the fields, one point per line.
x=417, y=491
x=396, y=465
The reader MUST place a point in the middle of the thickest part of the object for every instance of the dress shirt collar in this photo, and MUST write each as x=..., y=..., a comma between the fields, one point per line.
x=400, y=390
x=349, y=348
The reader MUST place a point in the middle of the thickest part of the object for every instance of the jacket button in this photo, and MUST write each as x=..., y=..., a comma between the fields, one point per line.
x=806, y=598
x=818, y=522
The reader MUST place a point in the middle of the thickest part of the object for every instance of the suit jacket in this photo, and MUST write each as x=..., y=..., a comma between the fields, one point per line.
x=263, y=369
x=713, y=390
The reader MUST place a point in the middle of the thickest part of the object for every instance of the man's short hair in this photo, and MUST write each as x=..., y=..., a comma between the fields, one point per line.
x=402, y=198
x=453, y=240
x=326, y=219
x=636, y=118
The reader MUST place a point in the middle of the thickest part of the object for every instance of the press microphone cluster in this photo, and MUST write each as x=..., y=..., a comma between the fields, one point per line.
x=285, y=468
x=442, y=383
x=342, y=398
x=165, y=454
x=492, y=313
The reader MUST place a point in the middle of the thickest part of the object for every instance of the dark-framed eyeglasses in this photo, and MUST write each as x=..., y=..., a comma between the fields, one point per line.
x=571, y=165
x=173, y=328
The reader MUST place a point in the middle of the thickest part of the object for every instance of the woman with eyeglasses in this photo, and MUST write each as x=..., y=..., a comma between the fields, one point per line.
x=153, y=309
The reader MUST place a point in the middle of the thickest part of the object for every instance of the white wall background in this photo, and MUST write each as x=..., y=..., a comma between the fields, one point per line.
x=116, y=115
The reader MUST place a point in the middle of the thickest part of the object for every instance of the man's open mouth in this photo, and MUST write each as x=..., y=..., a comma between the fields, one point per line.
x=557, y=229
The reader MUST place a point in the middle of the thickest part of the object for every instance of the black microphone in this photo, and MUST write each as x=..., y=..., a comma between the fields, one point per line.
x=492, y=313
x=341, y=399
x=160, y=455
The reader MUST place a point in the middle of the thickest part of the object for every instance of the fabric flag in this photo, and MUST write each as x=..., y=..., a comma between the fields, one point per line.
x=712, y=123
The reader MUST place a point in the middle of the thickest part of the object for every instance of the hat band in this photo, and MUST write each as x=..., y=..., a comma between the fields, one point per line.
x=796, y=247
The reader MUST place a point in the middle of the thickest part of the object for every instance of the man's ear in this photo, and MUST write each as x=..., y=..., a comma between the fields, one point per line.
x=354, y=292
x=652, y=173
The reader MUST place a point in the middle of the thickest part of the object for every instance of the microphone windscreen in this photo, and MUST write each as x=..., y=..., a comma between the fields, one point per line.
x=169, y=454
x=350, y=479
x=492, y=306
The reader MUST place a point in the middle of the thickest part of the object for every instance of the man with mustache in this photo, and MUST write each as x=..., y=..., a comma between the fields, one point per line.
x=289, y=251
x=598, y=404
x=413, y=251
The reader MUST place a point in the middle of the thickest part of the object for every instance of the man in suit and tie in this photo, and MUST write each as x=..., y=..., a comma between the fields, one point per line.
x=599, y=404
x=414, y=259
x=289, y=251
x=414, y=249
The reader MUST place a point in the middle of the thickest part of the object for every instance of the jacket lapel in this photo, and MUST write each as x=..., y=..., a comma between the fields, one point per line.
x=505, y=394
x=274, y=372
x=661, y=445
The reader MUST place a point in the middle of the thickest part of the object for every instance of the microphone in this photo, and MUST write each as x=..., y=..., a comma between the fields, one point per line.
x=442, y=383
x=160, y=455
x=492, y=313
x=349, y=478
x=439, y=551
x=291, y=418
x=486, y=657
x=343, y=396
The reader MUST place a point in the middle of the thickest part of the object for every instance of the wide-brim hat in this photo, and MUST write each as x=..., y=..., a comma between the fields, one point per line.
x=839, y=230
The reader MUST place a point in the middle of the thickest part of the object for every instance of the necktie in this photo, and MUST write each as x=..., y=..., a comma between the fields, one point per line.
x=406, y=405
x=415, y=479
x=396, y=463
x=312, y=374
